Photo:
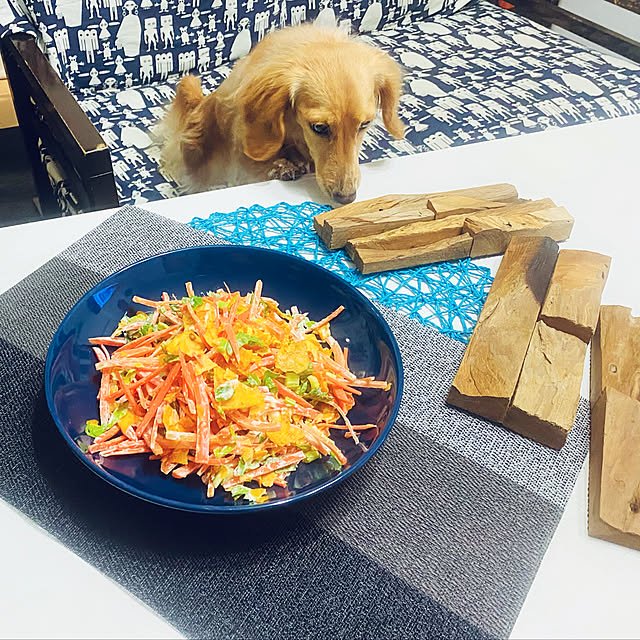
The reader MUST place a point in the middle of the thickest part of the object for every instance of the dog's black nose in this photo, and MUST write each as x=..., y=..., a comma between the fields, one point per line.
x=344, y=198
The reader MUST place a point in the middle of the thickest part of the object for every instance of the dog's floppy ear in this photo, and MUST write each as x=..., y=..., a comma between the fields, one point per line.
x=388, y=83
x=197, y=119
x=264, y=102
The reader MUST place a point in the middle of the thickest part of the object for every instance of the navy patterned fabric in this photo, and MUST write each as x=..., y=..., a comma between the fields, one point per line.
x=122, y=43
x=476, y=75
x=13, y=18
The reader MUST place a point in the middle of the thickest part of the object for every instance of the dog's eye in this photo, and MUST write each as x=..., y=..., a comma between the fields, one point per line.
x=320, y=129
x=364, y=125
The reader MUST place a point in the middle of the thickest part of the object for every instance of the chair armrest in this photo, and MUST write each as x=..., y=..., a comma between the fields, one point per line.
x=44, y=103
x=548, y=14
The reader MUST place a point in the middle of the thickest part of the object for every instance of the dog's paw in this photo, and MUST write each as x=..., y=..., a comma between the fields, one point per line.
x=284, y=169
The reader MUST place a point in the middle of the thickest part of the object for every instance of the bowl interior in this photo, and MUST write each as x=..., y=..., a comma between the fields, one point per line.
x=72, y=382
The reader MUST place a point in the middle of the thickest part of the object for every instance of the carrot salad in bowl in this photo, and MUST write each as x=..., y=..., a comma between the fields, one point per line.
x=226, y=386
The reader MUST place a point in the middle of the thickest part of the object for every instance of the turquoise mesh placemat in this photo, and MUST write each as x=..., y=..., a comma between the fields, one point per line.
x=447, y=296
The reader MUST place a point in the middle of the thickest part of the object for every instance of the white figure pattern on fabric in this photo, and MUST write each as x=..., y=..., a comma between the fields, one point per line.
x=242, y=42
x=151, y=33
x=61, y=39
x=130, y=32
x=230, y=14
x=166, y=31
x=146, y=68
x=88, y=42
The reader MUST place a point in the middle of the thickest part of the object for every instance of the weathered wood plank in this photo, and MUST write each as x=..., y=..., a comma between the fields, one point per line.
x=545, y=401
x=573, y=299
x=492, y=233
x=374, y=260
x=488, y=374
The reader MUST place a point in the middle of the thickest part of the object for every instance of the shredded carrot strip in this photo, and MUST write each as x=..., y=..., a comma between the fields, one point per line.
x=158, y=398
x=329, y=318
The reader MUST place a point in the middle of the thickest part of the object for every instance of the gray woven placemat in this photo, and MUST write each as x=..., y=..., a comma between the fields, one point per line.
x=439, y=535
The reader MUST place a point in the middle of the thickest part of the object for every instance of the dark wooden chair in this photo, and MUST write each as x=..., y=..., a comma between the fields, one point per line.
x=49, y=115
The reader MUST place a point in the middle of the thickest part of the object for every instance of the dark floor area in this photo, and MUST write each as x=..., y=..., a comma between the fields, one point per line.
x=17, y=190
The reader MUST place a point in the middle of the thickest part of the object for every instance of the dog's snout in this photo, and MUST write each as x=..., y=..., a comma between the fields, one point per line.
x=344, y=198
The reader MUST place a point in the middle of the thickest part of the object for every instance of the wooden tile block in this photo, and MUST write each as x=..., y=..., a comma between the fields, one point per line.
x=327, y=223
x=488, y=374
x=410, y=236
x=546, y=398
x=374, y=216
x=573, y=299
x=615, y=353
x=614, y=454
x=614, y=469
x=374, y=260
x=448, y=205
x=492, y=233
x=421, y=234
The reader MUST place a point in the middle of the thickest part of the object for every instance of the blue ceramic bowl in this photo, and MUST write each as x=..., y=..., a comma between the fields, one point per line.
x=71, y=381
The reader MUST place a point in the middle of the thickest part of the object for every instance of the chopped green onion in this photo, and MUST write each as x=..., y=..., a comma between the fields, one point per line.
x=94, y=429
x=224, y=451
x=311, y=455
x=225, y=390
x=267, y=380
x=292, y=380
x=194, y=301
x=253, y=380
x=218, y=478
x=224, y=346
x=333, y=463
x=128, y=376
x=248, y=340
x=83, y=446
x=241, y=467
x=318, y=395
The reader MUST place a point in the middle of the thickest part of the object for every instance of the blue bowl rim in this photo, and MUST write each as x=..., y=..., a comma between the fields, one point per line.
x=232, y=508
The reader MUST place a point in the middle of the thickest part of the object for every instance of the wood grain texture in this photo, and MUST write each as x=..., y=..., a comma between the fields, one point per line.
x=381, y=214
x=615, y=353
x=324, y=222
x=546, y=398
x=369, y=260
x=410, y=236
x=573, y=299
x=492, y=233
x=420, y=234
x=489, y=371
x=614, y=469
x=614, y=454
x=451, y=205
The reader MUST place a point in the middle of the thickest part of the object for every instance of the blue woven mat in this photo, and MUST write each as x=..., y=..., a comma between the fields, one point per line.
x=447, y=296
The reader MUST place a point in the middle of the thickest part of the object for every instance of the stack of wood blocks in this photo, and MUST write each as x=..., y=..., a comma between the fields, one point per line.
x=524, y=363
x=614, y=461
x=398, y=231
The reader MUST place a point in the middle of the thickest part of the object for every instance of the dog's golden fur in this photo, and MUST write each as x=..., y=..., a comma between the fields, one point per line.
x=257, y=124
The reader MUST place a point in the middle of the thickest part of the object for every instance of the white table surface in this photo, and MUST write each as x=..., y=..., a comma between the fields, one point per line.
x=585, y=588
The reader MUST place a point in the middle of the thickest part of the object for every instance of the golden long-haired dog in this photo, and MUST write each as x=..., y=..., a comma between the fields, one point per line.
x=302, y=99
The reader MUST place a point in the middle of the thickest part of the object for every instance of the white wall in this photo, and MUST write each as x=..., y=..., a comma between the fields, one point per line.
x=606, y=14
